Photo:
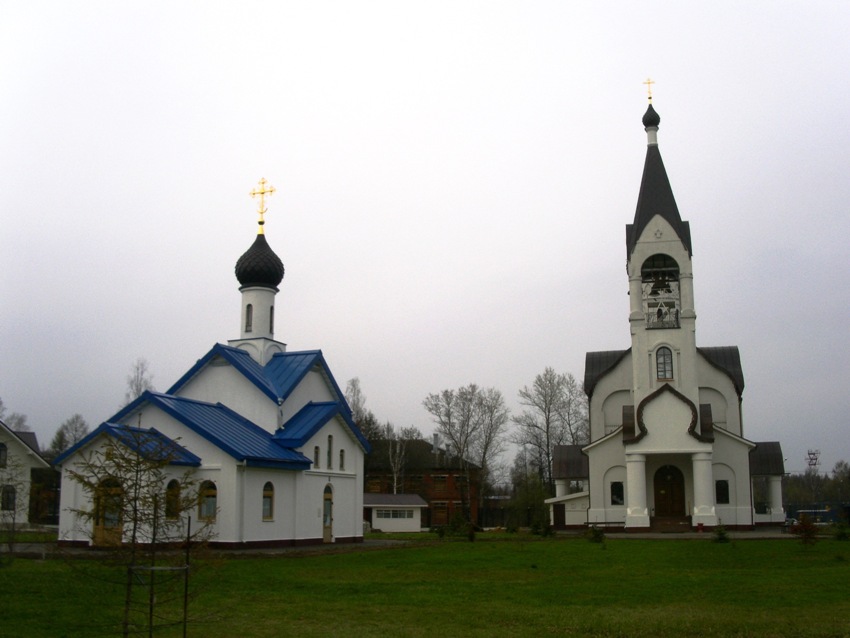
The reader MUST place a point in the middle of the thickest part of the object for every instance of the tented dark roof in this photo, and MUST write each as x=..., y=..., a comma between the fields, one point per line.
x=568, y=462
x=656, y=198
x=766, y=459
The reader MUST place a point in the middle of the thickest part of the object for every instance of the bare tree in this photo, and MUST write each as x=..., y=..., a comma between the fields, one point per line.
x=17, y=422
x=489, y=442
x=555, y=414
x=463, y=417
x=139, y=380
x=136, y=503
x=71, y=432
x=573, y=411
x=13, y=503
x=363, y=418
x=396, y=448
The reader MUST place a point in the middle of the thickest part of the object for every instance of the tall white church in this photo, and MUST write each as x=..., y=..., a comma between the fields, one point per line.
x=667, y=444
x=267, y=432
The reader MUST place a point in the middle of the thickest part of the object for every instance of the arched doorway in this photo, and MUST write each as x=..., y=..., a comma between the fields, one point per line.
x=328, y=515
x=669, y=486
x=108, y=514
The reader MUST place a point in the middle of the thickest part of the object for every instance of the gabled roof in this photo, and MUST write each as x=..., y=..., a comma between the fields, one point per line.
x=311, y=418
x=150, y=444
x=727, y=359
x=598, y=364
x=229, y=431
x=28, y=440
x=393, y=500
x=239, y=359
x=277, y=379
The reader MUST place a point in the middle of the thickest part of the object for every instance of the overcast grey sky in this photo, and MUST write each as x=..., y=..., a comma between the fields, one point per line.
x=453, y=182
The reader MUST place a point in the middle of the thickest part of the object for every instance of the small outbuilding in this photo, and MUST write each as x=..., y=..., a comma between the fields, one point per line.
x=394, y=512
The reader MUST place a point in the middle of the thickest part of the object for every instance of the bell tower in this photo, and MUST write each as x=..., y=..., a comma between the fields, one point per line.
x=661, y=294
x=259, y=272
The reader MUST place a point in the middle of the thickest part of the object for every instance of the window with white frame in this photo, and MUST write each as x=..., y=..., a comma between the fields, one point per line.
x=394, y=513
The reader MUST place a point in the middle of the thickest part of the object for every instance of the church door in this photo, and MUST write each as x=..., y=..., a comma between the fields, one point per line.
x=108, y=523
x=328, y=515
x=669, y=492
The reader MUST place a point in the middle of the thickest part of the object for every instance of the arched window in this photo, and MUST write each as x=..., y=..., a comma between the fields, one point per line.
x=2, y=455
x=660, y=285
x=7, y=499
x=342, y=460
x=268, y=502
x=664, y=363
x=316, y=457
x=208, y=501
x=249, y=318
x=172, y=500
x=271, y=319
x=330, y=451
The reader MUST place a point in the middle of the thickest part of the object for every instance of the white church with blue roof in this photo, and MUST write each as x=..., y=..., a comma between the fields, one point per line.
x=267, y=432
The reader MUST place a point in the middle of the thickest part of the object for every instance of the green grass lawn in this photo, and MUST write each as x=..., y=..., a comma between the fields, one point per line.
x=516, y=587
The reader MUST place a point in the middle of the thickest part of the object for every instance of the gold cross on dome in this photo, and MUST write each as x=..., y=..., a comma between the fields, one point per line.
x=649, y=84
x=262, y=192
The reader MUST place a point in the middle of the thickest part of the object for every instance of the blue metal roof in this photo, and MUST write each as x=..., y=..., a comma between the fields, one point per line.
x=150, y=444
x=306, y=423
x=229, y=431
x=278, y=378
x=239, y=359
x=311, y=418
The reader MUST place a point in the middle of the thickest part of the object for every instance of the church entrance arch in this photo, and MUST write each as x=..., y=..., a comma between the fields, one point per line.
x=669, y=487
x=328, y=515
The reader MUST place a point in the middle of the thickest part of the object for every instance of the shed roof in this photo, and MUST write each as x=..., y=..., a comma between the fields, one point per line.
x=569, y=462
x=727, y=359
x=766, y=459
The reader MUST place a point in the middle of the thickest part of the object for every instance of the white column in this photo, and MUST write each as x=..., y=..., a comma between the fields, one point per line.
x=637, y=514
x=703, y=511
x=777, y=512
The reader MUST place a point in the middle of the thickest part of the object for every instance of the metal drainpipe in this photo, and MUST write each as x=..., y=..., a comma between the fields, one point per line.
x=241, y=474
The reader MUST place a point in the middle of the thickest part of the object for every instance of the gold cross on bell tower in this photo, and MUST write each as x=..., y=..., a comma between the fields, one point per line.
x=649, y=84
x=262, y=192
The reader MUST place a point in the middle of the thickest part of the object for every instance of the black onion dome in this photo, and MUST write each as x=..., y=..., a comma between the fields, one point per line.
x=259, y=266
x=651, y=118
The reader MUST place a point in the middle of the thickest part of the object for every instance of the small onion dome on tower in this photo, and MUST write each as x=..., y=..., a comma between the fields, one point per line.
x=259, y=266
x=651, y=118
